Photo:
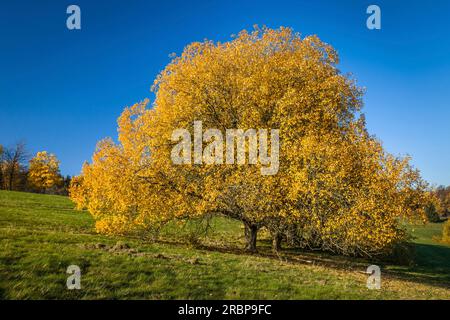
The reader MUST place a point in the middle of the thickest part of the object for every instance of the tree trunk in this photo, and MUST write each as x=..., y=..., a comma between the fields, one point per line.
x=276, y=242
x=11, y=178
x=251, y=231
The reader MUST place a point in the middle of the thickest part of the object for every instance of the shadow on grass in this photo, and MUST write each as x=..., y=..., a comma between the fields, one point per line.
x=432, y=262
x=432, y=266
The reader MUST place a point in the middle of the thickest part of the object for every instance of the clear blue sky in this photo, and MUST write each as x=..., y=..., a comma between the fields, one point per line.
x=63, y=90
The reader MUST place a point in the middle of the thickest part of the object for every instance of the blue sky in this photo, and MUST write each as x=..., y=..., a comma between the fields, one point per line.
x=63, y=90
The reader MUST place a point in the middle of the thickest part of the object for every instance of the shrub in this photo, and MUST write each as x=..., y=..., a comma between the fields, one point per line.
x=446, y=232
x=432, y=214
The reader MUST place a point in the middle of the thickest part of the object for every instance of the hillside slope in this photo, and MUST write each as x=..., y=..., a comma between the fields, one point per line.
x=40, y=236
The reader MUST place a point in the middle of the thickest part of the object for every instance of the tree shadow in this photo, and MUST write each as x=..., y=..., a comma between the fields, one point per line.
x=431, y=266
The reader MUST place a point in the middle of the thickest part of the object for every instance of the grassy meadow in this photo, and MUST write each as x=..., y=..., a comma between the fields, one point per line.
x=41, y=235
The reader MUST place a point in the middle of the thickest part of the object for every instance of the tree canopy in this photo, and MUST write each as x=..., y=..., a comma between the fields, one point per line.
x=43, y=171
x=336, y=188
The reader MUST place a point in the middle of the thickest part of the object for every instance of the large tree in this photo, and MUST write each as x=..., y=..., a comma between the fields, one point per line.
x=335, y=187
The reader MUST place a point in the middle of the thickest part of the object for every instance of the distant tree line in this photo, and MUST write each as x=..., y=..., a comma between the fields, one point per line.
x=439, y=209
x=21, y=172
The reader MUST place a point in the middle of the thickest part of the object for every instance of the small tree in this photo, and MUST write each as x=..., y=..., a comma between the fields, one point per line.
x=44, y=171
x=14, y=166
x=432, y=213
x=446, y=232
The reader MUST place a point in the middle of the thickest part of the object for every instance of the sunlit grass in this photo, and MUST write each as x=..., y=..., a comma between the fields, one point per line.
x=40, y=236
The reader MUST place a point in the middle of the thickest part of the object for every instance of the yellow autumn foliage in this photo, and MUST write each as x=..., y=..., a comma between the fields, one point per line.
x=44, y=171
x=446, y=232
x=78, y=192
x=336, y=188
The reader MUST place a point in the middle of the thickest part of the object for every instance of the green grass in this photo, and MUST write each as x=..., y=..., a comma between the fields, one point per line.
x=40, y=236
